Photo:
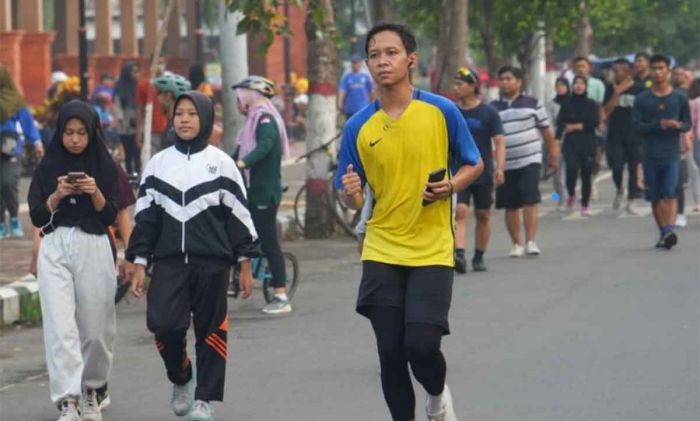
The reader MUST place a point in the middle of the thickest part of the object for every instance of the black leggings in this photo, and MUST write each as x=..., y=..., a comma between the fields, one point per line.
x=132, y=160
x=584, y=163
x=680, y=189
x=400, y=344
x=265, y=221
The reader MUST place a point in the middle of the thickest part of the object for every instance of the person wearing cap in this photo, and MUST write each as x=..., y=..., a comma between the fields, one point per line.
x=356, y=89
x=168, y=88
x=484, y=124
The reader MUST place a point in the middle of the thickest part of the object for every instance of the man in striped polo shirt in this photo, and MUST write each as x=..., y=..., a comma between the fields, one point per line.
x=525, y=124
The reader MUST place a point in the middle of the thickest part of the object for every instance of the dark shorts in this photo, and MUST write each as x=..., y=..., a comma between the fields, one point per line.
x=481, y=193
x=424, y=292
x=521, y=188
x=661, y=179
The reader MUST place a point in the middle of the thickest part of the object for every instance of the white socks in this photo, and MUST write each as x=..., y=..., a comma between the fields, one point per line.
x=282, y=297
x=434, y=403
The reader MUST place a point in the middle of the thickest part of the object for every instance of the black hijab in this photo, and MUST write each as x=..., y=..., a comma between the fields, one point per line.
x=205, y=110
x=196, y=75
x=95, y=161
x=578, y=109
x=125, y=88
x=560, y=99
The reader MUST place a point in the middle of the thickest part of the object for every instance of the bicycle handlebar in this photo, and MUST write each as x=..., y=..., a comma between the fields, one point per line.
x=323, y=146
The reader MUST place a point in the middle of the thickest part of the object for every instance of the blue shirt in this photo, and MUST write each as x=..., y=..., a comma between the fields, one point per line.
x=484, y=123
x=357, y=88
x=661, y=144
x=24, y=126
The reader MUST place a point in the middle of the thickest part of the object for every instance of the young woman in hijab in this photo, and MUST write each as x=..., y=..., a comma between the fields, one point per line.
x=72, y=199
x=578, y=120
x=16, y=126
x=563, y=94
x=192, y=221
x=125, y=111
x=263, y=143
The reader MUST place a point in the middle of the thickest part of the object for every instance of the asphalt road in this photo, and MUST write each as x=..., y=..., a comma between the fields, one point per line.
x=600, y=327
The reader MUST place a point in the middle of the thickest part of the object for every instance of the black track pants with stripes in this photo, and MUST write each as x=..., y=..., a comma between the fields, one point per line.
x=196, y=290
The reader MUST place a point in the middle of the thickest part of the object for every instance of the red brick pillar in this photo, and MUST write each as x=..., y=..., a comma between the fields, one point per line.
x=67, y=63
x=10, y=48
x=35, y=59
x=97, y=65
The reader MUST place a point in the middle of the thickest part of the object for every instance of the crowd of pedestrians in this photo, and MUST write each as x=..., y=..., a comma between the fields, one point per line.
x=413, y=161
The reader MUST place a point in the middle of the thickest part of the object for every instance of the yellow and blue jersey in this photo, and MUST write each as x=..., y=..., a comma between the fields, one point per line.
x=395, y=157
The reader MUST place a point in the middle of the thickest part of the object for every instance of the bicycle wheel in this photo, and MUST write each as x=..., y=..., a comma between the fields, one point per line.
x=291, y=270
x=298, y=219
x=346, y=217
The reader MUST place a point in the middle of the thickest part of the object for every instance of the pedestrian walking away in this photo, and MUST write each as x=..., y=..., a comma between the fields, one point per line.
x=72, y=199
x=484, y=125
x=578, y=119
x=624, y=143
x=263, y=144
x=193, y=223
x=126, y=113
x=393, y=145
x=525, y=123
x=661, y=114
x=17, y=126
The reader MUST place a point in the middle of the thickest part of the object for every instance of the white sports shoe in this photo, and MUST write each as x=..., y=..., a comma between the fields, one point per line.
x=447, y=413
x=201, y=411
x=69, y=410
x=531, y=249
x=681, y=220
x=91, y=406
x=516, y=251
x=183, y=396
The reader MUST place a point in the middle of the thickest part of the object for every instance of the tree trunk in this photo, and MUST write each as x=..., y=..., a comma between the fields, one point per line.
x=383, y=10
x=234, y=67
x=322, y=71
x=452, y=42
x=584, y=34
x=487, y=39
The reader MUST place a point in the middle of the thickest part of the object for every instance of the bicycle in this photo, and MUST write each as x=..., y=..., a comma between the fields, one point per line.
x=345, y=216
x=261, y=273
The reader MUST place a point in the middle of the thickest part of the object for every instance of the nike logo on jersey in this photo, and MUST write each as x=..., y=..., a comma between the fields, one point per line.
x=372, y=143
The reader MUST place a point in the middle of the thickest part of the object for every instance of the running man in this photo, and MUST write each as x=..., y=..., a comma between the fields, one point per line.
x=406, y=288
x=484, y=124
x=524, y=121
x=661, y=114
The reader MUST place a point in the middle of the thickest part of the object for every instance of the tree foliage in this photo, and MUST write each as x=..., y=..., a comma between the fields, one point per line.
x=262, y=17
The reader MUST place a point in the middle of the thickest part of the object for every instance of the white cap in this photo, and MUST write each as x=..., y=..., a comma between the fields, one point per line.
x=301, y=99
x=59, y=76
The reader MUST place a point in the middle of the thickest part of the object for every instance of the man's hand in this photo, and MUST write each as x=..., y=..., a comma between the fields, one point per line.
x=667, y=123
x=554, y=157
x=438, y=190
x=136, y=280
x=352, y=187
x=499, y=177
x=38, y=151
x=245, y=280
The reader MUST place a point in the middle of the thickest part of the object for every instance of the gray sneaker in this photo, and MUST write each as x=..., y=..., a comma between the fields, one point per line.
x=183, y=396
x=91, y=406
x=277, y=306
x=201, y=411
x=619, y=196
x=69, y=410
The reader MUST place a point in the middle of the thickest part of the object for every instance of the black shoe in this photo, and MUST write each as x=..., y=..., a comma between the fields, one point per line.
x=460, y=263
x=670, y=239
x=478, y=265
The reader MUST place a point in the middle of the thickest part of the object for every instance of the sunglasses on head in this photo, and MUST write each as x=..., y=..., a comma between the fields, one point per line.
x=465, y=75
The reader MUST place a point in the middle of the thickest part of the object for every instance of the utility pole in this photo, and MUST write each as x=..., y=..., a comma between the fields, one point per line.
x=83, y=59
x=287, y=66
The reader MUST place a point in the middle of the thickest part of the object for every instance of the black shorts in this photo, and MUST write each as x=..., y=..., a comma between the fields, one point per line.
x=424, y=292
x=521, y=188
x=482, y=194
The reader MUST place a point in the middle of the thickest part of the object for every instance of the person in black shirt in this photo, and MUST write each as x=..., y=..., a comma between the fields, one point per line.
x=484, y=124
x=623, y=143
x=642, y=74
x=578, y=120
x=72, y=198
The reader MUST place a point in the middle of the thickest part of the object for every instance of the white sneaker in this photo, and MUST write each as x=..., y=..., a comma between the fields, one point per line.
x=183, y=396
x=681, y=220
x=531, y=249
x=201, y=411
x=69, y=410
x=277, y=306
x=630, y=209
x=516, y=251
x=91, y=406
x=447, y=413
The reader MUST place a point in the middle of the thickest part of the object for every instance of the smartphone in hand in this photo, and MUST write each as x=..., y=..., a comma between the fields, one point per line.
x=433, y=177
x=75, y=176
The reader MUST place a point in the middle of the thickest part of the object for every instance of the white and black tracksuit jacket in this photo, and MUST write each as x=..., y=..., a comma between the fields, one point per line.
x=192, y=204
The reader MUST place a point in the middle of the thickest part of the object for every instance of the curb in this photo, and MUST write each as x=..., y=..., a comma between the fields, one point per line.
x=19, y=301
